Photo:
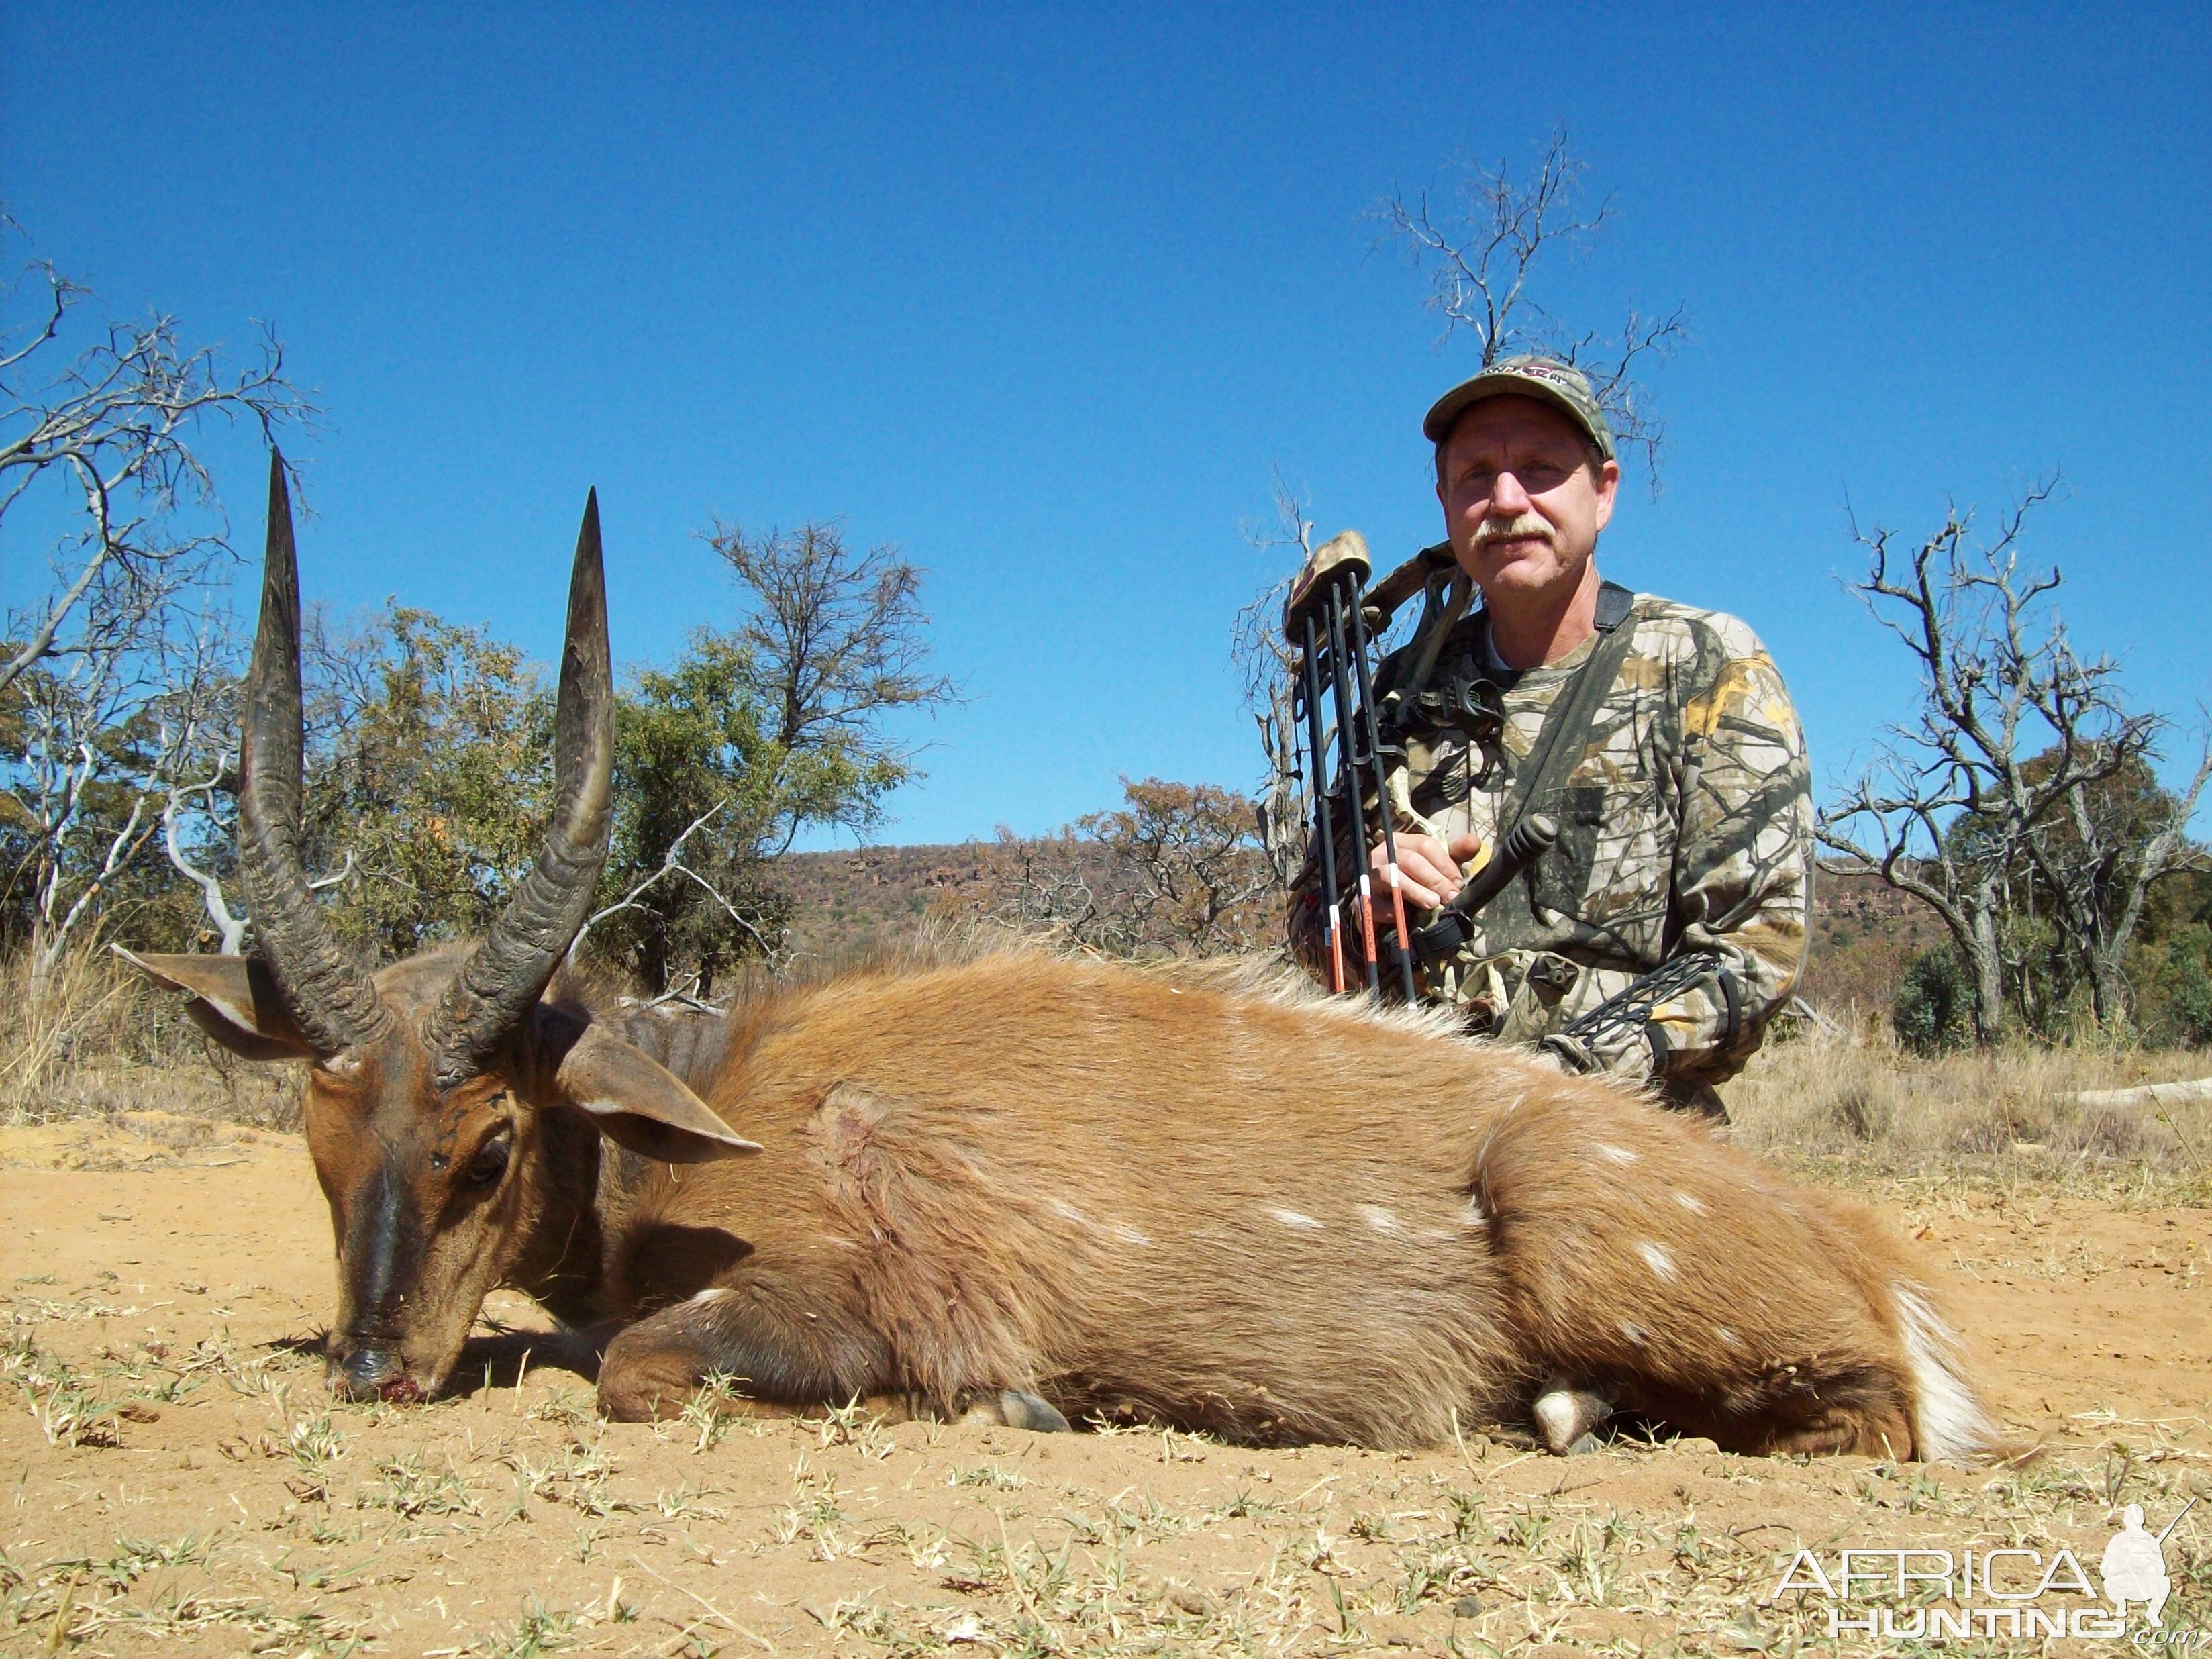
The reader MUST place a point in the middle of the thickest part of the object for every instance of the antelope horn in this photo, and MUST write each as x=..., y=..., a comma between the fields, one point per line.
x=330, y=999
x=493, y=994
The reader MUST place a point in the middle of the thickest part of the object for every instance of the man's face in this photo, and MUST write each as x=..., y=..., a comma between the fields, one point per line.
x=1522, y=505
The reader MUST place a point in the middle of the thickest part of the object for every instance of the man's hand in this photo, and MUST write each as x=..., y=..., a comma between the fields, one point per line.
x=1428, y=869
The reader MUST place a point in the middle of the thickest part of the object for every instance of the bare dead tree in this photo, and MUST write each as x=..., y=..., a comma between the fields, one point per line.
x=101, y=740
x=1480, y=254
x=2014, y=730
x=1059, y=884
x=111, y=428
x=113, y=675
x=200, y=799
x=1266, y=670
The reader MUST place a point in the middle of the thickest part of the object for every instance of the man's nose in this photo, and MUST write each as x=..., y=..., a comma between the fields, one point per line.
x=1507, y=498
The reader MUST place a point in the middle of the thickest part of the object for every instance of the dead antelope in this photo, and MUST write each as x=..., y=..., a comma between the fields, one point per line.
x=1051, y=1187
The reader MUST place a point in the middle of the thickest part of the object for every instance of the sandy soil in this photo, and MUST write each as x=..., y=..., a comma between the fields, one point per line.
x=176, y=1475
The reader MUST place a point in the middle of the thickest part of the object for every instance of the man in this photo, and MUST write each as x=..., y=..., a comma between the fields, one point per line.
x=1668, y=925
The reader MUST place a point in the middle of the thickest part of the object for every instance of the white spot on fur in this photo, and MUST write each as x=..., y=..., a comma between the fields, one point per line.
x=1947, y=1421
x=714, y=1293
x=1694, y=1206
x=841, y=1243
x=1617, y=1154
x=1476, y=1215
x=1292, y=1219
x=1379, y=1219
x=1634, y=1333
x=1068, y=1211
x=1726, y=1336
x=1656, y=1258
x=1129, y=1234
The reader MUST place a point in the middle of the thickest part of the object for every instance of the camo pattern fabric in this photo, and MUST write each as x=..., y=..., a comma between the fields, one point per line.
x=1687, y=824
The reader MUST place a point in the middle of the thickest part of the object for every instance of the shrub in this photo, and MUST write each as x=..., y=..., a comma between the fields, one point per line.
x=1932, y=1009
x=2177, y=1004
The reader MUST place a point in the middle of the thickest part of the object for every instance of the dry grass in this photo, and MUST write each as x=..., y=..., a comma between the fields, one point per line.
x=1855, y=1106
x=102, y=1041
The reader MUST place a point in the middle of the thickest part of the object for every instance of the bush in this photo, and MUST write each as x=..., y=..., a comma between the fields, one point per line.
x=1933, y=1011
x=2177, y=1001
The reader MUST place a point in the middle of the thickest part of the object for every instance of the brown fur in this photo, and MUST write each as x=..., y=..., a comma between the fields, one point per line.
x=1136, y=1191
x=1188, y=1196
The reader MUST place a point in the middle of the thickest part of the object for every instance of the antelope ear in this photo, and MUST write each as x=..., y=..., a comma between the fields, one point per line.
x=234, y=1000
x=637, y=1103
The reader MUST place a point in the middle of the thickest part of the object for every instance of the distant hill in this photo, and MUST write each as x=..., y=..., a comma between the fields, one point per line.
x=1863, y=933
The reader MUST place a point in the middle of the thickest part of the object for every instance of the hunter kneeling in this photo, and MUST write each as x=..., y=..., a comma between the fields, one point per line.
x=1657, y=936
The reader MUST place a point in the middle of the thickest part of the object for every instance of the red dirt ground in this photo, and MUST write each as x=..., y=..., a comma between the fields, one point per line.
x=176, y=1476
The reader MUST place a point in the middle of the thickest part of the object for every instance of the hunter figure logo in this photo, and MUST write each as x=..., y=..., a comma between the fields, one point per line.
x=1935, y=1595
x=2134, y=1567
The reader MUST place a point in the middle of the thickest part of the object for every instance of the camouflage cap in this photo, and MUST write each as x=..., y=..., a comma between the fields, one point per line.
x=1545, y=379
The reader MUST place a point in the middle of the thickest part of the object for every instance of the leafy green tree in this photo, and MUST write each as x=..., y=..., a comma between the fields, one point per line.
x=756, y=732
x=429, y=779
x=695, y=805
x=2179, y=1005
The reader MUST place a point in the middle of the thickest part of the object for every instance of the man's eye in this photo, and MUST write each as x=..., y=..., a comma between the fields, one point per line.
x=489, y=1165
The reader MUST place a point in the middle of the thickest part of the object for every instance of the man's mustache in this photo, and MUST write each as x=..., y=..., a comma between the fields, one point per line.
x=1500, y=530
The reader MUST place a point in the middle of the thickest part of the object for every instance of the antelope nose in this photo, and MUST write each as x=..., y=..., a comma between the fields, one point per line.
x=367, y=1372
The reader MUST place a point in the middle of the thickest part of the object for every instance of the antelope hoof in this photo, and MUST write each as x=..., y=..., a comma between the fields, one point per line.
x=1013, y=1408
x=1022, y=1410
x=1565, y=1417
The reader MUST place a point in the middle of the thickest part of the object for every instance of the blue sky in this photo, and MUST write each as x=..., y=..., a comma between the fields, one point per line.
x=1044, y=294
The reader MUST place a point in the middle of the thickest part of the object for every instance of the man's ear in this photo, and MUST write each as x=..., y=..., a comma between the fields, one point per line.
x=1608, y=490
x=637, y=1103
x=234, y=1000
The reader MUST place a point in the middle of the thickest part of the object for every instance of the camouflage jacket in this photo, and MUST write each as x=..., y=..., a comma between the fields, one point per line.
x=1685, y=826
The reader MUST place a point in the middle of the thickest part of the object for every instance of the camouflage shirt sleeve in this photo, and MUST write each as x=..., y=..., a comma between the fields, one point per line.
x=1743, y=866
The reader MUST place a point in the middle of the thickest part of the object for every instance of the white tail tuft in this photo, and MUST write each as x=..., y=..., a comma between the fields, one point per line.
x=1947, y=1421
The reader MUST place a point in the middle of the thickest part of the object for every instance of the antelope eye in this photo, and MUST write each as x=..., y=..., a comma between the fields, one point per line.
x=489, y=1165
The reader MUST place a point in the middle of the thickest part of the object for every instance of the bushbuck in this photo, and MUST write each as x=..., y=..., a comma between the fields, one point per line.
x=1029, y=1186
